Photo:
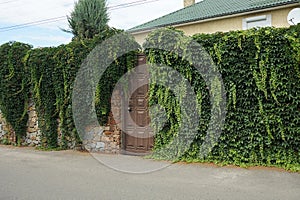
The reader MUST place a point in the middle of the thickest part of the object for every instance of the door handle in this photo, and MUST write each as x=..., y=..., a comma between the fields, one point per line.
x=129, y=109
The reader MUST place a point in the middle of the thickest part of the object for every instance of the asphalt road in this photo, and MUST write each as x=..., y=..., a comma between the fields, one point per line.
x=29, y=174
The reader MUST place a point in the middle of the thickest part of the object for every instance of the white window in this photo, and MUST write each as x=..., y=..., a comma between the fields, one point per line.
x=259, y=21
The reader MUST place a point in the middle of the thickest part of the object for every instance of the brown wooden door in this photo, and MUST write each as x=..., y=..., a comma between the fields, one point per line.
x=138, y=136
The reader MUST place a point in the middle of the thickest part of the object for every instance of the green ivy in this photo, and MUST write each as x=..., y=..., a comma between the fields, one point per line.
x=14, y=87
x=53, y=73
x=260, y=71
x=47, y=75
x=42, y=65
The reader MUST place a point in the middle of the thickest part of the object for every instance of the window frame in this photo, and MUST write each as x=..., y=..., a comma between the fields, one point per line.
x=266, y=18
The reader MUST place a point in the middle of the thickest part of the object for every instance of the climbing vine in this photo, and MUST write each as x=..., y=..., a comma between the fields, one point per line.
x=47, y=76
x=260, y=71
x=14, y=86
x=41, y=65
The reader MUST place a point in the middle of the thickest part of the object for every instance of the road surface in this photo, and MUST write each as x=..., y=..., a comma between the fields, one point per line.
x=26, y=173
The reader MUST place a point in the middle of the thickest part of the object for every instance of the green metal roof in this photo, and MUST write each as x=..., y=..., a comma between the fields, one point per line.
x=207, y=9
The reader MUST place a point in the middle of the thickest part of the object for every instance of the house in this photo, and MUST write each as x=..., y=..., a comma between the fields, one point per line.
x=209, y=16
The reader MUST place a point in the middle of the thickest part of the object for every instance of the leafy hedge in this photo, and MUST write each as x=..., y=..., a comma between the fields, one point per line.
x=48, y=75
x=260, y=70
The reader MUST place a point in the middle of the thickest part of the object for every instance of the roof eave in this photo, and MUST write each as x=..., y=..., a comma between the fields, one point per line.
x=213, y=18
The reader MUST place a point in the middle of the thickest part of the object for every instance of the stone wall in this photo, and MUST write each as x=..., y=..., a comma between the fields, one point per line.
x=33, y=134
x=106, y=139
x=6, y=135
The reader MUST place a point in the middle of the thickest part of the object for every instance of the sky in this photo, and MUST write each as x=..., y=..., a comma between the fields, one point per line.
x=42, y=33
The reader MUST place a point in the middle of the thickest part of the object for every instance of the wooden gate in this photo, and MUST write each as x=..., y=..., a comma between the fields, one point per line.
x=137, y=138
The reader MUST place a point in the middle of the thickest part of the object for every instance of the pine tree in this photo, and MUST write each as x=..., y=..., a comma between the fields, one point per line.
x=88, y=19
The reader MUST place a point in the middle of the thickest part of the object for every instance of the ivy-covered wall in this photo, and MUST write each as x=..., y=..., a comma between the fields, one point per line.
x=46, y=75
x=261, y=73
x=14, y=86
